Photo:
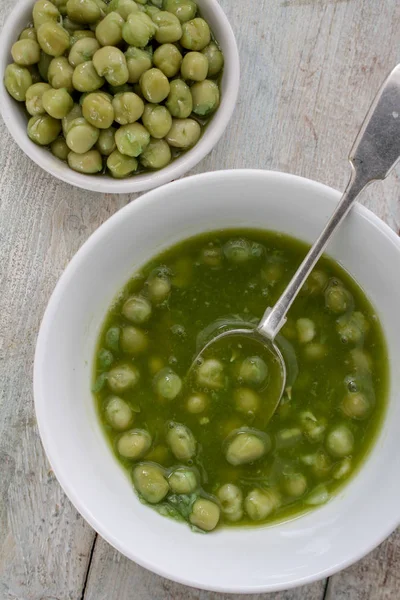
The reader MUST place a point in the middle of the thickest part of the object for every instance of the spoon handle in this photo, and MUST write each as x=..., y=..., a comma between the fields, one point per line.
x=374, y=153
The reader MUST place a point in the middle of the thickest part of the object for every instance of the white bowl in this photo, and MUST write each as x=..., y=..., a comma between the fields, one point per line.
x=16, y=119
x=230, y=560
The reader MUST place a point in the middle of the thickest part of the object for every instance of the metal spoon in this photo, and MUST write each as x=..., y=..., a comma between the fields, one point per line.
x=374, y=153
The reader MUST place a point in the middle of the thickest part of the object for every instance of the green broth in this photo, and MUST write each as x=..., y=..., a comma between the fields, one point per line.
x=335, y=398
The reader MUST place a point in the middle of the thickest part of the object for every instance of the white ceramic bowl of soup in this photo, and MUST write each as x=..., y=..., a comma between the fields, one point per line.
x=246, y=560
x=16, y=118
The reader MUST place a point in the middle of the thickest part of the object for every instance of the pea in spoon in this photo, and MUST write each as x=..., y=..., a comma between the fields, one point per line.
x=374, y=153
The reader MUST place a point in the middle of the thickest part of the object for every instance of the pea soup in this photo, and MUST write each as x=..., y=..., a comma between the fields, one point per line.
x=205, y=445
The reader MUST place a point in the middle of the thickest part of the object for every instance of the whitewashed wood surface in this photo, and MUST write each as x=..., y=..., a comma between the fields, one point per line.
x=310, y=69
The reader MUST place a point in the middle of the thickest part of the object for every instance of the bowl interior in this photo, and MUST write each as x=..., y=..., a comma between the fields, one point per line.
x=16, y=119
x=236, y=560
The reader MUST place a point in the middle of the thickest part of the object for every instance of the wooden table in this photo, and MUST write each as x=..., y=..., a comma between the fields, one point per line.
x=310, y=69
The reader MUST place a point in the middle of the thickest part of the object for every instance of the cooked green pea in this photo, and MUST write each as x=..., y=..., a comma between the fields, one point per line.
x=259, y=504
x=88, y=163
x=17, y=81
x=44, y=11
x=128, y=108
x=81, y=136
x=195, y=34
x=356, y=405
x=84, y=11
x=179, y=101
x=86, y=79
x=197, y=403
x=118, y=413
x=60, y=149
x=28, y=34
x=315, y=351
x=43, y=129
x=169, y=27
x=150, y=482
x=315, y=283
x=319, y=495
x=60, y=74
x=132, y=139
x=33, y=98
x=82, y=51
x=157, y=155
x=340, y=441
x=215, y=59
x=53, y=39
x=109, y=30
x=288, y=437
x=253, y=371
x=134, y=340
x=110, y=62
x=184, y=133
x=75, y=113
x=123, y=377
x=57, y=103
x=121, y=165
x=212, y=257
x=154, y=85
x=352, y=329
x=246, y=446
x=231, y=499
x=138, y=61
x=80, y=34
x=313, y=428
x=167, y=384
x=168, y=59
x=157, y=120
x=342, y=469
x=205, y=514
x=26, y=52
x=106, y=142
x=183, y=481
x=205, y=96
x=295, y=485
x=138, y=29
x=194, y=66
x=181, y=441
x=305, y=330
x=159, y=288
x=151, y=10
x=134, y=444
x=98, y=110
x=137, y=309
x=123, y=7
x=183, y=9
x=210, y=374
x=337, y=299
x=247, y=401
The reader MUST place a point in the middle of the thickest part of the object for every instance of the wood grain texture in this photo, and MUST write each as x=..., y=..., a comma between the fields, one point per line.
x=310, y=69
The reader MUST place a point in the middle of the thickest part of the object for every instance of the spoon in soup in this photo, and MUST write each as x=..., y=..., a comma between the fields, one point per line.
x=374, y=153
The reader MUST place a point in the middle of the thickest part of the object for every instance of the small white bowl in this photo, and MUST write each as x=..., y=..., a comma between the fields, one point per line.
x=16, y=119
x=238, y=560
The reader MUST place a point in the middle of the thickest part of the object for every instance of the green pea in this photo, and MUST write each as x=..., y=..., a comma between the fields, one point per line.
x=151, y=10
x=128, y=108
x=138, y=29
x=167, y=384
x=356, y=405
x=231, y=499
x=109, y=30
x=168, y=59
x=168, y=27
x=44, y=11
x=134, y=340
x=28, y=34
x=26, y=52
x=197, y=403
x=60, y=74
x=43, y=129
x=110, y=62
x=105, y=359
x=195, y=34
x=179, y=101
x=17, y=81
x=210, y=374
x=106, y=142
x=123, y=7
x=88, y=163
x=86, y=79
x=245, y=446
x=121, y=165
x=137, y=309
x=81, y=136
x=123, y=377
x=352, y=329
x=215, y=59
x=247, y=401
x=181, y=441
x=57, y=103
x=118, y=413
x=138, y=61
x=212, y=257
x=159, y=287
x=53, y=39
x=340, y=441
x=112, y=338
x=154, y=85
x=33, y=98
x=305, y=330
x=183, y=481
x=60, y=149
x=75, y=113
x=134, y=444
x=184, y=133
x=205, y=514
x=253, y=371
x=150, y=482
x=157, y=120
x=337, y=299
x=82, y=51
x=205, y=96
x=157, y=155
x=313, y=428
x=80, y=34
x=183, y=9
x=259, y=504
x=84, y=11
x=98, y=110
x=132, y=139
x=295, y=485
x=194, y=66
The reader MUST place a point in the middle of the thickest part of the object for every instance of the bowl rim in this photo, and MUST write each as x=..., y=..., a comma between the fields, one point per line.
x=139, y=183
x=65, y=279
